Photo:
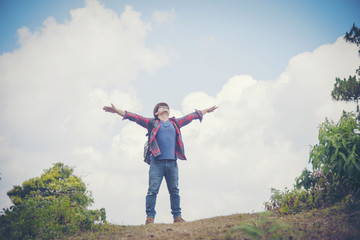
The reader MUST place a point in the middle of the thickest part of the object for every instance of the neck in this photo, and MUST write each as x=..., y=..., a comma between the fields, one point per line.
x=163, y=118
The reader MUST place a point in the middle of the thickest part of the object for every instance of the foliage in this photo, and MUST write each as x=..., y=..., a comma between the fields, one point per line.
x=353, y=36
x=56, y=181
x=49, y=206
x=294, y=201
x=335, y=175
x=349, y=89
x=338, y=151
x=337, y=155
x=346, y=89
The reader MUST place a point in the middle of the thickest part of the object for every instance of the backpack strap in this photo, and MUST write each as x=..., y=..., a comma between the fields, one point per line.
x=150, y=128
x=147, y=145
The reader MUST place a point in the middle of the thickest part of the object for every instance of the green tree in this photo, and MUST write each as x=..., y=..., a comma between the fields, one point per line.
x=349, y=89
x=56, y=181
x=335, y=174
x=48, y=206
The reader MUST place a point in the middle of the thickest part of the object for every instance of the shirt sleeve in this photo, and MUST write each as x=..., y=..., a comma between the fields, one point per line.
x=188, y=118
x=142, y=121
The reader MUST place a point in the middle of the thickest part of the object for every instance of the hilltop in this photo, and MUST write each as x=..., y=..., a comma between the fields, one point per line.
x=327, y=223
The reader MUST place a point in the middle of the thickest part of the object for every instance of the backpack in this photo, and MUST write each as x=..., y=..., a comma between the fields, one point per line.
x=147, y=151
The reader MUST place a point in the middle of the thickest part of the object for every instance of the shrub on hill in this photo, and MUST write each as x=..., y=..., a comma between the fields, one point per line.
x=49, y=206
x=335, y=174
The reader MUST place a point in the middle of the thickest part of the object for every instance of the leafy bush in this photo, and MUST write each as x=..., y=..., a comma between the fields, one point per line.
x=49, y=206
x=337, y=157
x=335, y=175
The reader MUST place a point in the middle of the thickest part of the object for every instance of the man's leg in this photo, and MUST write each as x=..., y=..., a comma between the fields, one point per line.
x=156, y=174
x=172, y=179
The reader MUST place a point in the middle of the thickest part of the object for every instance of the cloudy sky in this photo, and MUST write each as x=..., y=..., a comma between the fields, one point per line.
x=269, y=66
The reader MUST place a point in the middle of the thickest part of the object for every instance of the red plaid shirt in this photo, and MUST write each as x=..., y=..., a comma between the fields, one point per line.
x=178, y=123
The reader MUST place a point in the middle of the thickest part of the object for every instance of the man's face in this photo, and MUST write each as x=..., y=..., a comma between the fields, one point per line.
x=163, y=110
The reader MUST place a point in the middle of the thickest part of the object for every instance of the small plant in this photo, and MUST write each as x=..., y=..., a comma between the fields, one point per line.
x=294, y=201
x=261, y=228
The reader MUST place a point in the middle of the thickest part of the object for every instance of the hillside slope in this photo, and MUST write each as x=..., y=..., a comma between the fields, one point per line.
x=328, y=223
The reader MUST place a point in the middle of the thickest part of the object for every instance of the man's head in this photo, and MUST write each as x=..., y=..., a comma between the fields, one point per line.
x=161, y=108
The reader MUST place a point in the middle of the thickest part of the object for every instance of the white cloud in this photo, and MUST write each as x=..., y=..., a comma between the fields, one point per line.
x=60, y=77
x=53, y=87
x=259, y=137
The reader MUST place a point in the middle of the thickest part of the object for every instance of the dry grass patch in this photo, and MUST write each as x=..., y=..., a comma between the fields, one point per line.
x=329, y=223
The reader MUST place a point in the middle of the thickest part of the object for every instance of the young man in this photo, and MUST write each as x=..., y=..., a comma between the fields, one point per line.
x=166, y=147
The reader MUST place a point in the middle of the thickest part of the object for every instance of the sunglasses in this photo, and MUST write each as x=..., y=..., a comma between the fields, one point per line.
x=163, y=107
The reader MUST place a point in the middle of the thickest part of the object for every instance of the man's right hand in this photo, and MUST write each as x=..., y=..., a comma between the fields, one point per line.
x=113, y=109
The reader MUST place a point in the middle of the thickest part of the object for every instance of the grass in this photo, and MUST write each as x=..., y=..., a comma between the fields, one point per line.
x=261, y=229
x=328, y=223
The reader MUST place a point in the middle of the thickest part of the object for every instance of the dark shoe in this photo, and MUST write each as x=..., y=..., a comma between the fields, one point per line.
x=179, y=220
x=149, y=220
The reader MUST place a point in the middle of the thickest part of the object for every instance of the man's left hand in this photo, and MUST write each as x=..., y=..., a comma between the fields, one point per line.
x=209, y=110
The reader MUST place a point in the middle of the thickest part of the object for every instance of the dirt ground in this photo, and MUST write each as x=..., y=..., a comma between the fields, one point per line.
x=329, y=223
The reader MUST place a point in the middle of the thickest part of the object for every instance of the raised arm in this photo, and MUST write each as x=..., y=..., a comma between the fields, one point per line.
x=198, y=114
x=142, y=121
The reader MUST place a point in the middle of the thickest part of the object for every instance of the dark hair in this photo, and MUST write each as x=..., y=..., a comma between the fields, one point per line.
x=157, y=107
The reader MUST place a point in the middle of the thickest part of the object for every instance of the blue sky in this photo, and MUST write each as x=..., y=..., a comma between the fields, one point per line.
x=241, y=37
x=269, y=65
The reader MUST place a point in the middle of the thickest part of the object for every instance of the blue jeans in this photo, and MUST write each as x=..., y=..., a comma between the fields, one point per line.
x=158, y=170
